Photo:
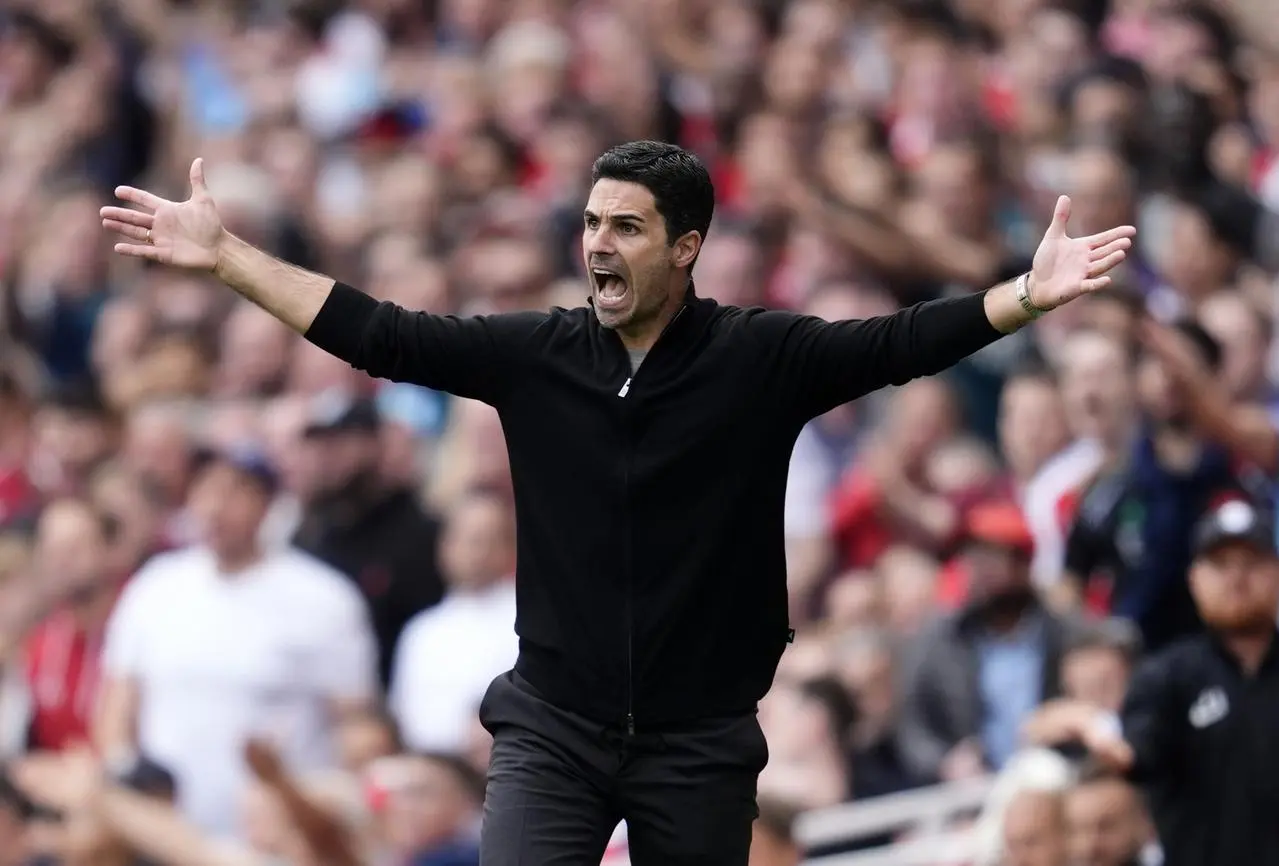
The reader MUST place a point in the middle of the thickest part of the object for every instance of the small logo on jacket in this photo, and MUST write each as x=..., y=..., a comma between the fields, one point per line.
x=1209, y=708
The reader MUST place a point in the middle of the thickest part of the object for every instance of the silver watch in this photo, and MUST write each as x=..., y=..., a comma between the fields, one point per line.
x=1023, y=298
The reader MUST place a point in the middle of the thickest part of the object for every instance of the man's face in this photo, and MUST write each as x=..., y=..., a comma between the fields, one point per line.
x=1236, y=587
x=230, y=508
x=1098, y=675
x=478, y=543
x=1101, y=196
x=1096, y=386
x=1033, y=832
x=629, y=259
x=1105, y=824
x=1032, y=426
x=340, y=457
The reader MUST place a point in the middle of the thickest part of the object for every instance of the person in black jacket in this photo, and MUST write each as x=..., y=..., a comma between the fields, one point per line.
x=649, y=438
x=1197, y=727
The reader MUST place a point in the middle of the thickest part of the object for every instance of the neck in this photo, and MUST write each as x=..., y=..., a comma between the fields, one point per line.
x=642, y=336
x=233, y=562
x=1249, y=648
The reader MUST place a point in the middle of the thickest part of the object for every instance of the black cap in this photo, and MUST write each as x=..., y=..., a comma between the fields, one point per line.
x=1234, y=520
x=340, y=412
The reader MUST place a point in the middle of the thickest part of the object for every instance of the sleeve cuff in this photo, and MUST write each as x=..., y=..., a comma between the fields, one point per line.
x=339, y=326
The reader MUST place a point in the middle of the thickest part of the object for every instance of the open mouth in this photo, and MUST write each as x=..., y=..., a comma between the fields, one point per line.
x=611, y=290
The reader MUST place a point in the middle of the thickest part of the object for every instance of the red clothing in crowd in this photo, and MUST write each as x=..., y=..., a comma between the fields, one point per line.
x=17, y=493
x=62, y=672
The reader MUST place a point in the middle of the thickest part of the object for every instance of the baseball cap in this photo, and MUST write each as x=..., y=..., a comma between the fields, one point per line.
x=246, y=458
x=1000, y=524
x=1235, y=519
x=340, y=412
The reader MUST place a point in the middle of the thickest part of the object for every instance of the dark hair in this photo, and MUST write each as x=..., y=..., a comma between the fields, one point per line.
x=680, y=184
x=1205, y=343
x=778, y=818
x=1092, y=772
x=468, y=779
x=835, y=699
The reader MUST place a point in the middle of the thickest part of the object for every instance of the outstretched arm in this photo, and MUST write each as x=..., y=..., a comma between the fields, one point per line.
x=474, y=357
x=830, y=363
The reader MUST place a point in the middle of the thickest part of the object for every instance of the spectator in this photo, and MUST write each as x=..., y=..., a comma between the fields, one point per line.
x=380, y=537
x=1106, y=820
x=474, y=624
x=1034, y=830
x=431, y=805
x=1133, y=522
x=973, y=676
x=224, y=640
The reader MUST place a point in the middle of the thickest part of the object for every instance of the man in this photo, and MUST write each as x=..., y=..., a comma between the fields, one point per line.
x=975, y=676
x=1131, y=534
x=1034, y=832
x=473, y=627
x=225, y=640
x=651, y=583
x=1106, y=821
x=377, y=535
x=1197, y=724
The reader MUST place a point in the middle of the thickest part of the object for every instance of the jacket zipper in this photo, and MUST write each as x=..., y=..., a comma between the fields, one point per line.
x=630, y=573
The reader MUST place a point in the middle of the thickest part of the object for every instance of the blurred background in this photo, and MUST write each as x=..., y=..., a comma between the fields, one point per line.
x=436, y=153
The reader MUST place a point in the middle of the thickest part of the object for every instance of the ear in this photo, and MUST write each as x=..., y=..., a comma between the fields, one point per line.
x=684, y=251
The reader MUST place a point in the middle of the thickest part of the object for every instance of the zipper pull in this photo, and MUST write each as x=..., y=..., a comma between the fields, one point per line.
x=626, y=387
x=630, y=724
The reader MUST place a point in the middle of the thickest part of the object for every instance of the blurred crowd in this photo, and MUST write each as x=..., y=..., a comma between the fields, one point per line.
x=972, y=558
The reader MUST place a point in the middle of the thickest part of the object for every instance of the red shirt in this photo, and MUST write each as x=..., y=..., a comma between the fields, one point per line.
x=63, y=669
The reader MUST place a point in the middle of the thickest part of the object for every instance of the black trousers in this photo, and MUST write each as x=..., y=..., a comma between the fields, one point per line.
x=559, y=784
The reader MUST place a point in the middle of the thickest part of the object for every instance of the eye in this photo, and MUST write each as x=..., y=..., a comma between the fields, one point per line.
x=628, y=229
x=592, y=222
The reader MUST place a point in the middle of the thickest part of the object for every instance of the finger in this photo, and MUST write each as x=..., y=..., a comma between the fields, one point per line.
x=1100, y=240
x=1061, y=216
x=1111, y=261
x=1102, y=252
x=140, y=251
x=138, y=233
x=127, y=215
x=198, y=187
x=1095, y=285
x=139, y=197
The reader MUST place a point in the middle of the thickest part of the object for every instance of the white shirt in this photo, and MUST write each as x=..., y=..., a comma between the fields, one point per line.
x=1065, y=472
x=445, y=660
x=218, y=658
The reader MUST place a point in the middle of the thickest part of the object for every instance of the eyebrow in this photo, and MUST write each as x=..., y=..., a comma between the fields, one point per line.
x=617, y=217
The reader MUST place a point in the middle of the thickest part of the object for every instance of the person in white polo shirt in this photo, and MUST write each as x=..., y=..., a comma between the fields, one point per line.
x=450, y=653
x=225, y=640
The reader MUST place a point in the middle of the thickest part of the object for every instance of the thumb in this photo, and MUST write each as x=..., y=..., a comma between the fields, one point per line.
x=198, y=187
x=1061, y=216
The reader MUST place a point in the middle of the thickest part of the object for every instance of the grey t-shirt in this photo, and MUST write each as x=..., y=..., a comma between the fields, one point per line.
x=637, y=358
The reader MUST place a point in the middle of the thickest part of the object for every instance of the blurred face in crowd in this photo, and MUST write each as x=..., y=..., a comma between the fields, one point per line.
x=136, y=511
x=229, y=507
x=1033, y=831
x=1097, y=675
x=921, y=415
x=25, y=69
x=1104, y=107
x=158, y=447
x=1106, y=824
x=254, y=353
x=997, y=574
x=866, y=671
x=343, y=458
x=951, y=181
x=633, y=266
x=1237, y=326
x=71, y=442
x=730, y=270
x=1100, y=191
x=478, y=543
x=1097, y=387
x=363, y=738
x=1032, y=425
x=1236, y=588
x=1195, y=262
x=72, y=551
x=426, y=803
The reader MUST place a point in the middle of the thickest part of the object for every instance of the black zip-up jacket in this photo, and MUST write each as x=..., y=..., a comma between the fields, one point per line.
x=651, y=578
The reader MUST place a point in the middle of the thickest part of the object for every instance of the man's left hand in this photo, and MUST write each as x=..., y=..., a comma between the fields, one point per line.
x=1065, y=267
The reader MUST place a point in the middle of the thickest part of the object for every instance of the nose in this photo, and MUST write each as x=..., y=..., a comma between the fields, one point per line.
x=598, y=241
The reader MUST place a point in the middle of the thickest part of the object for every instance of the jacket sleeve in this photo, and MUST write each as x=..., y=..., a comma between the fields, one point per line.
x=1150, y=720
x=825, y=364
x=474, y=357
x=921, y=746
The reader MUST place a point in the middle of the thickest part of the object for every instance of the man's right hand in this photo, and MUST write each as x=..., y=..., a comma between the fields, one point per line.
x=184, y=234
